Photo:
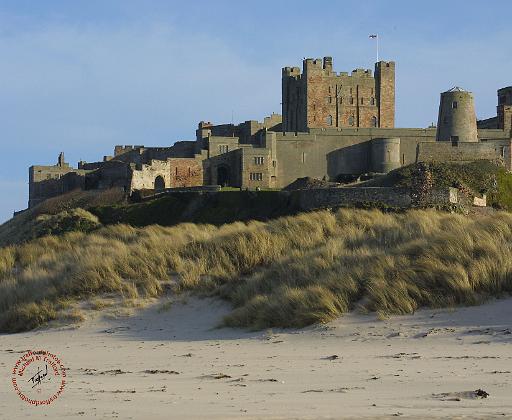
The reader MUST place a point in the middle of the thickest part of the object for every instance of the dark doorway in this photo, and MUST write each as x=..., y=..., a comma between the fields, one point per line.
x=223, y=176
x=159, y=183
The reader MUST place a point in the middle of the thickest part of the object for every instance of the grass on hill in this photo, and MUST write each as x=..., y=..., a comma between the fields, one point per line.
x=481, y=177
x=288, y=272
x=58, y=215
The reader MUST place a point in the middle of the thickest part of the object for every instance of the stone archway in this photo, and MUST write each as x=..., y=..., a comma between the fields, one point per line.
x=159, y=183
x=223, y=175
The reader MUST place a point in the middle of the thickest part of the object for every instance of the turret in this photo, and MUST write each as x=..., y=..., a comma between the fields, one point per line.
x=457, y=119
x=505, y=108
x=385, y=90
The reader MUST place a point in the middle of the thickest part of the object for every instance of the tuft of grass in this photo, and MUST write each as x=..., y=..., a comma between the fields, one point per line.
x=165, y=306
x=288, y=272
x=27, y=316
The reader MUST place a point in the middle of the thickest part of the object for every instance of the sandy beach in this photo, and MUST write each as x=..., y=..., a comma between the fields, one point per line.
x=176, y=364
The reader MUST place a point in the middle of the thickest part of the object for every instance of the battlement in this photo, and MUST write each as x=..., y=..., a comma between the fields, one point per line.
x=120, y=150
x=385, y=64
x=324, y=67
x=291, y=71
x=362, y=72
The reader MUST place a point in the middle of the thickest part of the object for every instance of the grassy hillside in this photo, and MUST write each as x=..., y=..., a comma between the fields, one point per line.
x=58, y=215
x=481, y=177
x=63, y=214
x=218, y=208
x=292, y=271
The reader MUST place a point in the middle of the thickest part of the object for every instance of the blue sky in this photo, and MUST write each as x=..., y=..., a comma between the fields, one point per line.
x=82, y=76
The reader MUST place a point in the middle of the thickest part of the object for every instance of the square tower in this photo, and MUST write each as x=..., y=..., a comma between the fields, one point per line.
x=504, y=108
x=321, y=98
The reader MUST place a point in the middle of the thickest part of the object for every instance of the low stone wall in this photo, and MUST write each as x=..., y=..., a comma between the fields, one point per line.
x=333, y=197
x=146, y=195
x=382, y=196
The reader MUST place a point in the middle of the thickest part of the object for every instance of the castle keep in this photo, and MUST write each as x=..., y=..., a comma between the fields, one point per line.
x=332, y=125
x=322, y=98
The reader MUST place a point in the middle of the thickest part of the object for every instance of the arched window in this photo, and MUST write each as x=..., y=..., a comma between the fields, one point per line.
x=374, y=121
x=351, y=120
x=328, y=120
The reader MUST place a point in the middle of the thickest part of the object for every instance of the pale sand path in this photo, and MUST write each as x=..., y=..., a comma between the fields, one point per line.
x=284, y=374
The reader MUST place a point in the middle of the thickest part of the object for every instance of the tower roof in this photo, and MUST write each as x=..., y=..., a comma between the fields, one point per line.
x=456, y=89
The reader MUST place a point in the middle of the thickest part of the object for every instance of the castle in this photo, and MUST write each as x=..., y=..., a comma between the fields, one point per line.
x=333, y=125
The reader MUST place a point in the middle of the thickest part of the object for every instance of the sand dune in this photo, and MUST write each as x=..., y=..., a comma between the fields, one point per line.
x=175, y=364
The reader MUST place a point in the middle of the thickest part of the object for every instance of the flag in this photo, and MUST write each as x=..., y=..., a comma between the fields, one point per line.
x=373, y=36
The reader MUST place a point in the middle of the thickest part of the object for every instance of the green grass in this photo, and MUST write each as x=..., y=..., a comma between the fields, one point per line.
x=479, y=176
x=58, y=215
x=288, y=272
x=217, y=208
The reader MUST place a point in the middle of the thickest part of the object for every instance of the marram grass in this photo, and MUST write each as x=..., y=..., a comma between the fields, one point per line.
x=289, y=272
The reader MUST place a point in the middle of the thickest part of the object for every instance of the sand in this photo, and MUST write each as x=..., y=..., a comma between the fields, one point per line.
x=175, y=364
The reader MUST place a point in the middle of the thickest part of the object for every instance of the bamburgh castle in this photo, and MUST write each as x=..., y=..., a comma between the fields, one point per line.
x=333, y=125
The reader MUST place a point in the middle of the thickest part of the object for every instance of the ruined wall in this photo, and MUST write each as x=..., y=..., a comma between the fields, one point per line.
x=186, y=172
x=50, y=181
x=171, y=173
x=143, y=177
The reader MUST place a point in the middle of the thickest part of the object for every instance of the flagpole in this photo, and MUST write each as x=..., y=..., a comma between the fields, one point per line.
x=377, y=48
x=376, y=38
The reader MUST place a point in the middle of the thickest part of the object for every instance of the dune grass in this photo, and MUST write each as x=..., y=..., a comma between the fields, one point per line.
x=288, y=272
x=57, y=215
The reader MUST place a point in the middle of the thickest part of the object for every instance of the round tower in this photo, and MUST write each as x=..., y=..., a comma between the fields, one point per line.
x=457, y=119
x=385, y=154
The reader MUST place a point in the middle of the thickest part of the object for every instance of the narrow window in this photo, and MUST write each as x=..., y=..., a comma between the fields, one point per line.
x=351, y=101
x=374, y=121
x=372, y=101
x=303, y=157
x=362, y=101
x=328, y=120
x=223, y=148
x=351, y=120
x=454, y=104
x=258, y=160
